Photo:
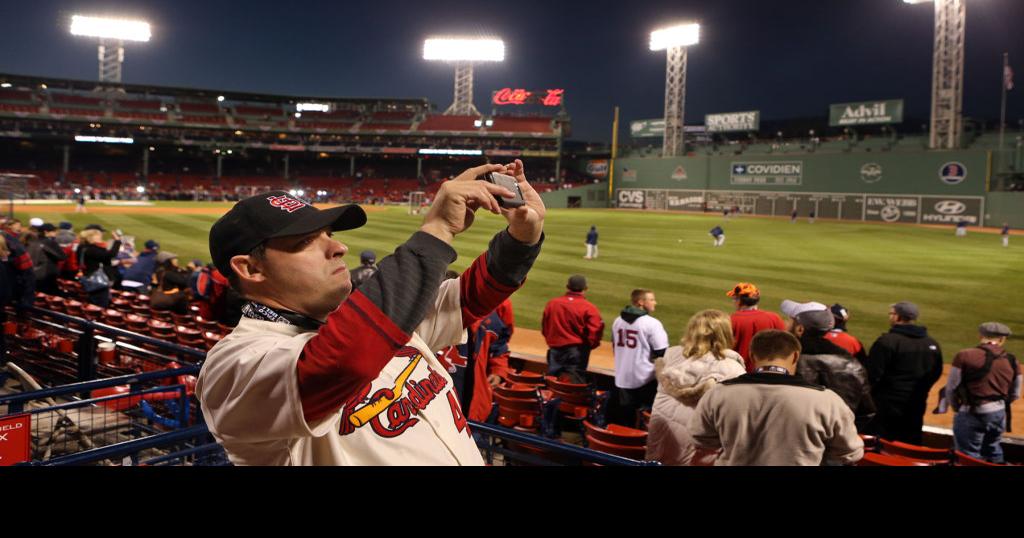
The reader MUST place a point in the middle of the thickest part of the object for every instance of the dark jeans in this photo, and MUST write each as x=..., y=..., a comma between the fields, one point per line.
x=571, y=360
x=902, y=423
x=633, y=400
x=979, y=436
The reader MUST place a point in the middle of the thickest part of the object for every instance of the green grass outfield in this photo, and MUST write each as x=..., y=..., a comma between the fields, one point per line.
x=957, y=282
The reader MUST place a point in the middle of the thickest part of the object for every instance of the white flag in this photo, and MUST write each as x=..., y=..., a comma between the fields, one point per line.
x=1008, y=77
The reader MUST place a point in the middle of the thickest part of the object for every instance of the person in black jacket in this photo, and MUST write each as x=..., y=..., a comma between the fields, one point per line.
x=92, y=256
x=46, y=254
x=826, y=364
x=903, y=364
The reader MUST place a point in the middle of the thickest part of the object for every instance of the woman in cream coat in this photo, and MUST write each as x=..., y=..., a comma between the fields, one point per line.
x=684, y=374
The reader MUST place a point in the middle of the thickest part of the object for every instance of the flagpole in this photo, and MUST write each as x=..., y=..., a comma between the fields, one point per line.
x=1002, y=113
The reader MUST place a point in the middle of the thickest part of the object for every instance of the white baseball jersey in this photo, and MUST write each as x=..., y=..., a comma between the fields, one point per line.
x=408, y=415
x=633, y=343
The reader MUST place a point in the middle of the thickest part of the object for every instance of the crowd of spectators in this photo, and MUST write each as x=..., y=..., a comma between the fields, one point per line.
x=35, y=257
x=751, y=389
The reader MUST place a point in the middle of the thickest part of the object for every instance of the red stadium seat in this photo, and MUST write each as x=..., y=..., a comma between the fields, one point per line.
x=616, y=434
x=963, y=460
x=873, y=459
x=933, y=455
x=518, y=413
x=626, y=451
x=525, y=378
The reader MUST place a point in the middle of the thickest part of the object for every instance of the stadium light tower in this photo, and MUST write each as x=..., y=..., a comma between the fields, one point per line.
x=947, y=73
x=675, y=41
x=464, y=53
x=112, y=33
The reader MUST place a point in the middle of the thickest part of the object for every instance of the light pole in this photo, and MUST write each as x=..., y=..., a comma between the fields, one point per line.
x=112, y=33
x=464, y=53
x=947, y=73
x=675, y=40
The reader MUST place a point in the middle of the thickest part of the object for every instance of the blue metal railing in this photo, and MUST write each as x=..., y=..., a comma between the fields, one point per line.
x=86, y=345
x=16, y=402
x=554, y=447
x=128, y=448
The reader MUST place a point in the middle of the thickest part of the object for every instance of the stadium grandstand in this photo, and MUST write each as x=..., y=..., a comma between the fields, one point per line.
x=186, y=144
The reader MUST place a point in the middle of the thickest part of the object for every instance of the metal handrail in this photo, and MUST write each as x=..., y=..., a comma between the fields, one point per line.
x=99, y=400
x=585, y=454
x=125, y=448
x=85, y=386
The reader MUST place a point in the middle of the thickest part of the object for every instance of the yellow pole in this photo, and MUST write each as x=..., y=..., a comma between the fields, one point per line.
x=615, y=148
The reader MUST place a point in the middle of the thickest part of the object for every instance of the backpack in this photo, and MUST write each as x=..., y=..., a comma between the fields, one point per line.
x=962, y=395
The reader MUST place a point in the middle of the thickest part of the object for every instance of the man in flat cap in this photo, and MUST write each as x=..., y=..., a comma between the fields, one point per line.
x=982, y=383
x=903, y=364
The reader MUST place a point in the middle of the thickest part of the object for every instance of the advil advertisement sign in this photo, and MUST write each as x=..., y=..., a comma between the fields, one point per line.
x=15, y=435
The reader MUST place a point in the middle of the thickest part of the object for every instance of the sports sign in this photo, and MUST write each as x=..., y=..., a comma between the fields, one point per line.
x=948, y=210
x=953, y=173
x=631, y=198
x=891, y=208
x=15, y=434
x=654, y=128
x=866, y=113
x=733, y=121
x=519, y=96
x=766, y=173
x=598, y=168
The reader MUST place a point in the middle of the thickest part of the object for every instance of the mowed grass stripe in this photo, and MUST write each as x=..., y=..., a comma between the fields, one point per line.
x=958, y=282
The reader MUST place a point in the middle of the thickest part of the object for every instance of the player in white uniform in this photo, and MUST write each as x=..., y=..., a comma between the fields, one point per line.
x=315, y=374
x=638, y=340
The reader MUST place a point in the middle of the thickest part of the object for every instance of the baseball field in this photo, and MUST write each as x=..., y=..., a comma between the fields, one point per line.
x=957, y=282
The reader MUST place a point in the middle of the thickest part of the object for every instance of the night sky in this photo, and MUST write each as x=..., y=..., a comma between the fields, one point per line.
x=787, y=58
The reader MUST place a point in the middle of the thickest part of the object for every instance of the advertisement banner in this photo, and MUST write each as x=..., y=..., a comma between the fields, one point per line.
x=15, y=437
x=598, y=168
x=866, y=113
x=686, y=200
x=630, y=198
x=654, y=128
x=891, y=208
x=733, y=121
x=950, y=210
x=767, y=173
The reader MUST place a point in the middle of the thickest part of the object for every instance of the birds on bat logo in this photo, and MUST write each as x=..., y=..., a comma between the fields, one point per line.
x=397, y=405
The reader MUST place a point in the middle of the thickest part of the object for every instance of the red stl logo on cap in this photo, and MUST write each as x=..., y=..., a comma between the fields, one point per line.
x=286, y=203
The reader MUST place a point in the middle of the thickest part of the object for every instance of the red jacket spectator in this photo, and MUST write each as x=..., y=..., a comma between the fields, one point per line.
x=572, y=320
x=747, y=323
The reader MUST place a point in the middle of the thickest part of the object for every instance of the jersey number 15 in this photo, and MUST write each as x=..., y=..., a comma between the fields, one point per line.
x=627, y=338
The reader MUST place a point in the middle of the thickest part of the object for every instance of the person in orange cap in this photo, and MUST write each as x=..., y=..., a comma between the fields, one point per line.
x=747, y=320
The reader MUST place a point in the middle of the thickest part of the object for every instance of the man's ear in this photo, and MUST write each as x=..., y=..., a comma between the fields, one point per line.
x=248, y=269
x=795, y=358
x=798, y=330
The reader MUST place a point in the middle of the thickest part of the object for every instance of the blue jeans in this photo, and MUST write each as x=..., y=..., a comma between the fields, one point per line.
x=978, y=436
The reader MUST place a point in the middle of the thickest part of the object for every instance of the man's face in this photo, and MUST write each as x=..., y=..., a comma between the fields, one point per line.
x=893, y=317
x=51, y=233
x=648, y=302
x=305, y=273
x=15, y=228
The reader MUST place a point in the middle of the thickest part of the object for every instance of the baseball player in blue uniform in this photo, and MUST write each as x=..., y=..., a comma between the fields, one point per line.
x=719, y=234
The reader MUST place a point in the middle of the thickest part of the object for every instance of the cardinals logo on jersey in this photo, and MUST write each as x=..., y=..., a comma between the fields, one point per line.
x=390, y=411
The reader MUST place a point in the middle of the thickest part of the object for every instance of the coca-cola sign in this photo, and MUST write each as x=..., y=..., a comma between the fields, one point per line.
x=519, y=96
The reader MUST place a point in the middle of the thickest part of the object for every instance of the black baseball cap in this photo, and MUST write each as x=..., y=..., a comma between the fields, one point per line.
x=273, y=214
